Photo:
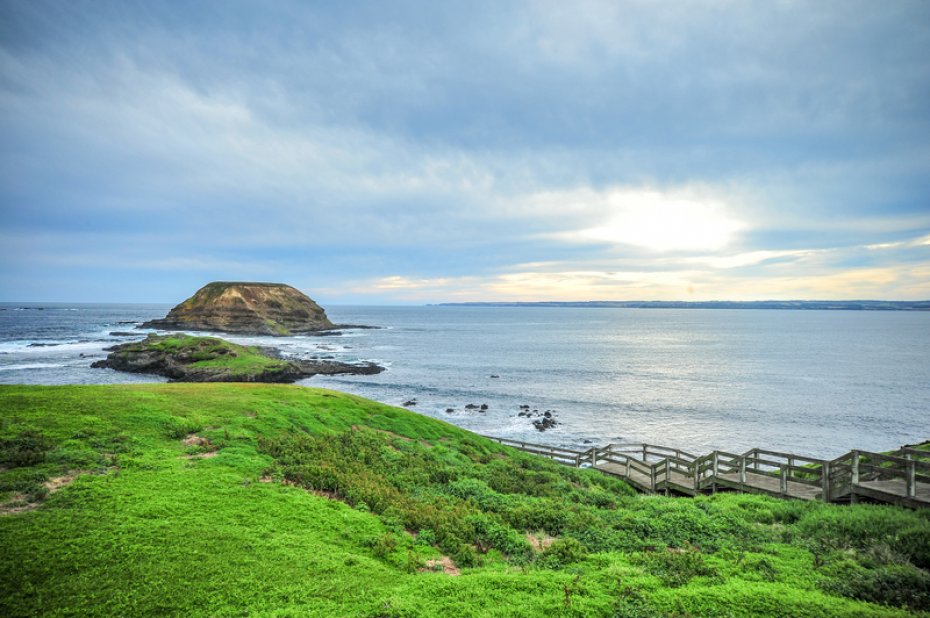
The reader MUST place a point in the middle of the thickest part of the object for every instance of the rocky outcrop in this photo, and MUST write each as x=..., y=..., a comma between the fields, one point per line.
x=247, y=308
x=183, y=358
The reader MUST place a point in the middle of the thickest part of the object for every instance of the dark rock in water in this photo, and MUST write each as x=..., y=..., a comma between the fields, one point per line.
x=545, y=423
x=247, y=308
x=450, y=410
x=484, y=407
x=128, y=322
x=119, y=333
x=356, y=327
x=471, y=406
x=42, y=345
x=494, y=376
x=587, y=442
x=541, y=420
x=182, y=358
x=409, y=403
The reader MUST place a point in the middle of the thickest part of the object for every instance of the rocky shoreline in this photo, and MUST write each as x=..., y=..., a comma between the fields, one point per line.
x=183, y=358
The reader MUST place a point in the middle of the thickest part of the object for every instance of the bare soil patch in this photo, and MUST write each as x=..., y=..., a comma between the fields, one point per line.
x=18, y=502
x=443, y=564
x=541, y=542
x=195, y=440
x=209, y=449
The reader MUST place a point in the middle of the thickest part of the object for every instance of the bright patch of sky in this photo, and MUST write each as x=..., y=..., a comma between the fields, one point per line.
x=395, y=152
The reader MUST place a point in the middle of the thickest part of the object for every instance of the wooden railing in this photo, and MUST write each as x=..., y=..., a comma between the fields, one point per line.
x=562, y=455
x=655, y=468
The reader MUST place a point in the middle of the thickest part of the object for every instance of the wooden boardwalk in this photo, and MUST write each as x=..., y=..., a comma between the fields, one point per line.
x=902, y=477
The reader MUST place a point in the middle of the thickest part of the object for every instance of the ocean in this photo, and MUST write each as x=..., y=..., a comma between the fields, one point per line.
x=817, y=383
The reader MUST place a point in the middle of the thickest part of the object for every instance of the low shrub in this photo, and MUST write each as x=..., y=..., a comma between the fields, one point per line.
x=893, y=585
x=27, y=448
x=178, y=427
x=562, y=552
x=674, y=567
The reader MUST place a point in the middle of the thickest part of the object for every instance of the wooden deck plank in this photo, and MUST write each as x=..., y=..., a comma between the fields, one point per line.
x=895, y=488
x=763, y=483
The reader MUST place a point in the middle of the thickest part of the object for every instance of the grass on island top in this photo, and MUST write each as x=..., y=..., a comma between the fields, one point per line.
x=235, y=499
x=212, y=352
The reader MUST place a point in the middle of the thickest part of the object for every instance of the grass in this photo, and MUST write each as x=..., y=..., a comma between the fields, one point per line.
x=212, y=353
x=297, y=501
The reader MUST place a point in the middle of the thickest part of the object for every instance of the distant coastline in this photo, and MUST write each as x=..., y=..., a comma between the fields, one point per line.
x=831, y=305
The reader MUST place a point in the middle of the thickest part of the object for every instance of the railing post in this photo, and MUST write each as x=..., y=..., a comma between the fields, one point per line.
x=790, y=466
x=628, y=467
x=696, y=471
x=855, y=468
x=755, y=460
x=593, y=456
x=716, y=467
x=652, y=478
x=644, y=451
x=911, y=476
x=825, y=481
x=783, y=479
x=742, y=470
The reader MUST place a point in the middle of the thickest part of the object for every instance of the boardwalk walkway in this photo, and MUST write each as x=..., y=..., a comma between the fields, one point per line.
x=902, y=477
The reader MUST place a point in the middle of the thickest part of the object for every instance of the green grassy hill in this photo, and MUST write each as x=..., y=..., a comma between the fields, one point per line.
x=235, y=499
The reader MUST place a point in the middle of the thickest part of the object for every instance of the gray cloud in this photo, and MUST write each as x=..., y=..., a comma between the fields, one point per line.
x=398, y=140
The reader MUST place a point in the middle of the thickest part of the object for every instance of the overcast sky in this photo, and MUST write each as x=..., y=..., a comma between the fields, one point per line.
x=410, y=152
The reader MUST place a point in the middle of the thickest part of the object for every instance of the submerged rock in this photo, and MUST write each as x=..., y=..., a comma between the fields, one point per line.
x=247, y=308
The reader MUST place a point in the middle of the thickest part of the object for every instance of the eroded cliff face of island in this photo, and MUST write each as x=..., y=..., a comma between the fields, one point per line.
x=247, y=308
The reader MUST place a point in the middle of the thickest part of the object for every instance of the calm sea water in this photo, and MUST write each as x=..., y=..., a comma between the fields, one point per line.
x=813, y=382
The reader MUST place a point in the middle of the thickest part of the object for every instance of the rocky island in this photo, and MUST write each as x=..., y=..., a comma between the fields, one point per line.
x=246, y=308
x=184, y=358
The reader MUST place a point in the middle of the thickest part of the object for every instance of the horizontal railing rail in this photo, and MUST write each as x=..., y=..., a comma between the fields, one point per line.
x=558, y=453
x=895, y=477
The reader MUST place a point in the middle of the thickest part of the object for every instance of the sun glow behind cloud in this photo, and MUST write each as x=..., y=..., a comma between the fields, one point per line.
x=660, y=221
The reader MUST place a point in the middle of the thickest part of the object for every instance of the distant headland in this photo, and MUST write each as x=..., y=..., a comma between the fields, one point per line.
x=830, y=305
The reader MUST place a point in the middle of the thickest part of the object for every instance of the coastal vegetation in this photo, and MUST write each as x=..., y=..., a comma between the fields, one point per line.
x=253, y=499
x=186, y=358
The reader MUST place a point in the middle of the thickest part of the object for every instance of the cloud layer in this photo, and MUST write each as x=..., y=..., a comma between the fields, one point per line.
x=395, y=152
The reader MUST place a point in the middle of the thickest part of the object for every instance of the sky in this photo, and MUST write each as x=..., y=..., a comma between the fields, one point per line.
x=418, y=152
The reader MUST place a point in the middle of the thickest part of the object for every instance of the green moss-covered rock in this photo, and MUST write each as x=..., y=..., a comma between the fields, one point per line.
x=184, y=358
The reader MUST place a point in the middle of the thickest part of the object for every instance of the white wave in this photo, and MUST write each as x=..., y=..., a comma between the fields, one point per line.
x=53, y=347
x=31, y=366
